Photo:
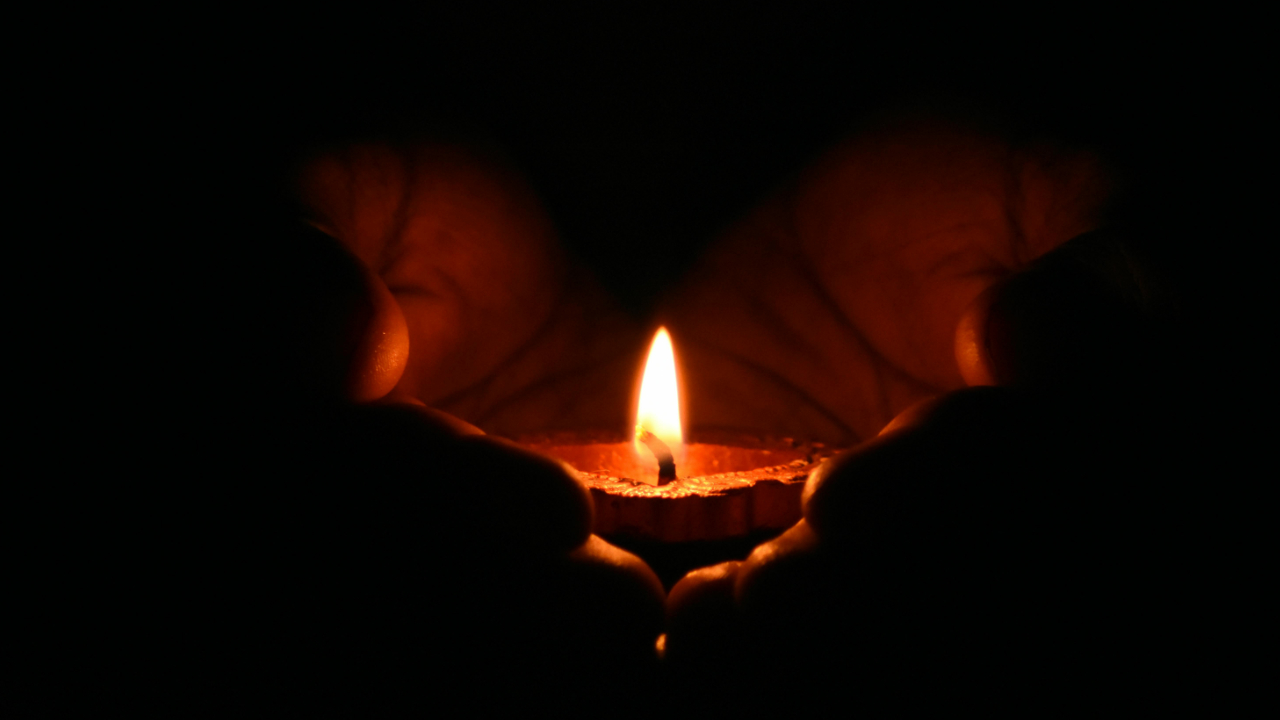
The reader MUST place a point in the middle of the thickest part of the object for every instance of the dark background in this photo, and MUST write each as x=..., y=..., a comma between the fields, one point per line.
x=654, y=128
x=647, y=127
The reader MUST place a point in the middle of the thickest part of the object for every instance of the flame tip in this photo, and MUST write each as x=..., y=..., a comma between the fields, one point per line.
x=658, y=410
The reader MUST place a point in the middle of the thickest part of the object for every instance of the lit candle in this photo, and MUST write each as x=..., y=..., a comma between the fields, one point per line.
x=656, y=487
x=658, y=426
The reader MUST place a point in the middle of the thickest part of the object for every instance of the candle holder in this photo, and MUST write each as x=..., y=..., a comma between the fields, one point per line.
x=732, y=491
x=683, y=504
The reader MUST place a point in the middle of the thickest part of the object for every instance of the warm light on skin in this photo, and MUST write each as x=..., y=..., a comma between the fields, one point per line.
x=659, y=407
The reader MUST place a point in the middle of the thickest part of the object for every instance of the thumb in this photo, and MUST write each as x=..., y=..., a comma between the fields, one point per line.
x=343, y=336
x=1082, y=315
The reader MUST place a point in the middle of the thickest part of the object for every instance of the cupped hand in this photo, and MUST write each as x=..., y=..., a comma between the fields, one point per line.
x=985, y=548
x=399, y=552
x=503, y=330
x=988, y=542
x=835, y=306
x=394, y=553
x=869, y=286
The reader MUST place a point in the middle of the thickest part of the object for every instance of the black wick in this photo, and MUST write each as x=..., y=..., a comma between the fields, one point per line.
x=666, y=463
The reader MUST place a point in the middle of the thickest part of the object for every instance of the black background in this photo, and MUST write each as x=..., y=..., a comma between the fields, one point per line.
x=656, y=128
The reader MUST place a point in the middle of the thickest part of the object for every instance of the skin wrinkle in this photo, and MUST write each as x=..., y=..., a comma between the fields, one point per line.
x=566, y=400
x=393, y=253
x=1071, y=189
x=791, y=337
x=805, y=266
x=426, y=281
x=780, y=381
x=766, y=310
x=440, y=305
x=934, y=269
x=874, y=357
x=824, y=310
x=795, y=261
x=485, y=384
x=399, y=290
x=759, y=310
x=867, y=262
x=1015, y=209
x=447, y=247
x=556, y=382
x=877, y=360
x=955, y=294
x=395, y=235
x=352, y=228
x=826, y=300
x=442, y=286
x=351, y=164
x=489, y=400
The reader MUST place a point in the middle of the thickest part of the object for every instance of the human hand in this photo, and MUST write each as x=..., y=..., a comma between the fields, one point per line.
x=986, y=547
x=390, y=538
x=427, y=554
x=987, y=533
x=836, y=306
x=503, y=331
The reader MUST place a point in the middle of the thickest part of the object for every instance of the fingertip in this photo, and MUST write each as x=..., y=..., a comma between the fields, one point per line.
x=599, y=551
x=709, y=584
x=339, y=333
x=703, y=622
x=604, y=607
x=913, y=416
x=383, y=350
x=942, y=464
x=452, y=423
x=868, y=490
x=456, y=424
x=972, y=352
x=773, y=559
x=1077, y=317
x=399, y=440
x=522, y=496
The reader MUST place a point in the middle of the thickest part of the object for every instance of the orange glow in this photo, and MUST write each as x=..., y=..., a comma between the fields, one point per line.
x=659, y=408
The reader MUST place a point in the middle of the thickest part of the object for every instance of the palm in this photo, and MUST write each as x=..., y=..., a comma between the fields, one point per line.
x=503, y=331
x=821, y=316
x=835, y=306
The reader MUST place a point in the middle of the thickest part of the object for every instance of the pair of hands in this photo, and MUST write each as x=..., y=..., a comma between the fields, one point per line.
x=891, y=273
x=825, y=314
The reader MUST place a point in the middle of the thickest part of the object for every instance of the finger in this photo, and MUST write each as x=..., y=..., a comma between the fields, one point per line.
x=702, y=618
x=836, y=305
x=779, y=581
x=971, y=520
x=382, y=352
x=367, y=475
x=796, y=613
x=704, y=650
x=424, y=477
x=456, y=425
x=418, y=477
x=625, y=590
x=580, y=627
x=342, y=336
x=901, y=572
x=461, y=241
x=946, y=465
x=1081, y=315
x=516, y=497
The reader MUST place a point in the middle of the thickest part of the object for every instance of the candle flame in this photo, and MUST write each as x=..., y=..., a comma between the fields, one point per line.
x=659, y=408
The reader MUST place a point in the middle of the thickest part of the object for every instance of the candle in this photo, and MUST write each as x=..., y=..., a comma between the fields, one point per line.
x=652, y=486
